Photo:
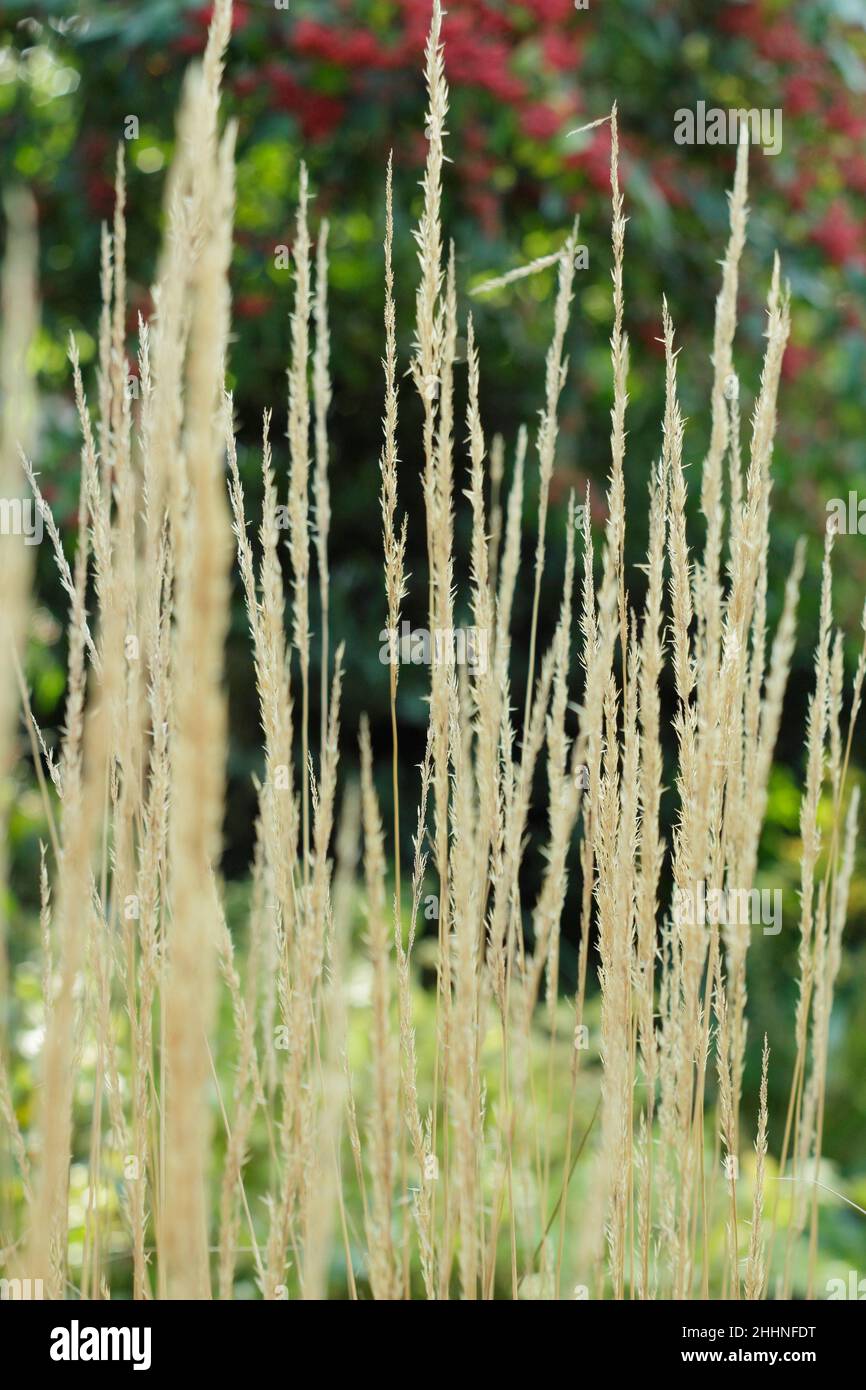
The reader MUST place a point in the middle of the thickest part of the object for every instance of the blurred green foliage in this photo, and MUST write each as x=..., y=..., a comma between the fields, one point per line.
x=340, y=85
